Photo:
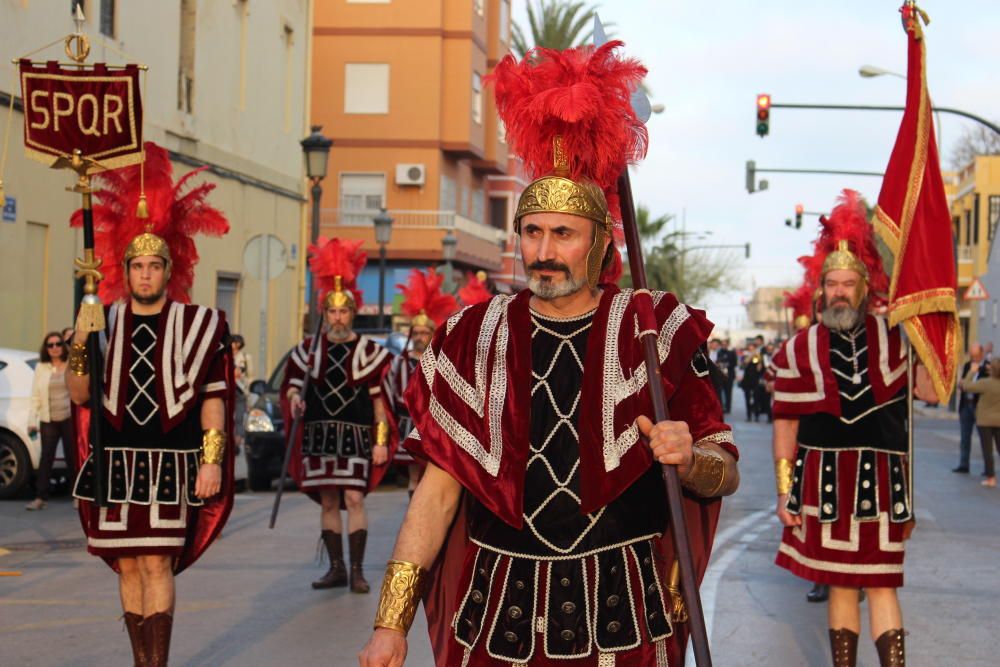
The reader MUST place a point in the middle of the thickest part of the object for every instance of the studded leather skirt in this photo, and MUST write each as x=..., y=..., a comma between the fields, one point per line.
x=853, y=504
x=606, y=608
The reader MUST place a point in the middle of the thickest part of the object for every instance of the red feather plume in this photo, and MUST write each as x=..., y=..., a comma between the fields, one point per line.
x=848, y=221
x=177, y=211
x=584, y=96
x=474, y=291
x=422, y=294
x=329, y=258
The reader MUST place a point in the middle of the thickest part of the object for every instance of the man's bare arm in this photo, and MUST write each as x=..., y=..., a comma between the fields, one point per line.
x=783, y=444
x=428, y=518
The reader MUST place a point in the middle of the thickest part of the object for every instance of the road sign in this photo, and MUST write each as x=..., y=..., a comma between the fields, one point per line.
x=976, y=291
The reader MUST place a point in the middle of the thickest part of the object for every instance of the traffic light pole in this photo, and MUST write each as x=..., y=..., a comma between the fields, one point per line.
x=865, y=107
x=821, y=171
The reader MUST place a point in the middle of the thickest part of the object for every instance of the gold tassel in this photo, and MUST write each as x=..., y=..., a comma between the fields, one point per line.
x=142, y=210
x=91, y=315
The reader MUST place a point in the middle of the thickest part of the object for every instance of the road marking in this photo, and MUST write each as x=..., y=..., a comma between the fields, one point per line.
x=718, y=566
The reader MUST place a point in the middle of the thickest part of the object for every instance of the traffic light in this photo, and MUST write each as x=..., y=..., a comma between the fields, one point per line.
x=751, y=176
x=763, y=114
x=799, y=208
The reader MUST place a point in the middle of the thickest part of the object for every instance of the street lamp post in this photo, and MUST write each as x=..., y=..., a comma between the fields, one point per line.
x=871, y=71
x=316, y=149
x=449, y=246
x=383, y=232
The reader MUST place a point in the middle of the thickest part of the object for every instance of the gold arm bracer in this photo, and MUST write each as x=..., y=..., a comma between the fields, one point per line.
x=783, y=476
x=79, y=361
x=213, y=446
x=708, y=472
x=381, y=434
x=402, y=588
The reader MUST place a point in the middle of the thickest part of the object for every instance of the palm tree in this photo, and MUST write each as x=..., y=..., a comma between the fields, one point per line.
x=555, y=24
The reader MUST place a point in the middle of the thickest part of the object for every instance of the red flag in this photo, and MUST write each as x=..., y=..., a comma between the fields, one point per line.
x=913, y=220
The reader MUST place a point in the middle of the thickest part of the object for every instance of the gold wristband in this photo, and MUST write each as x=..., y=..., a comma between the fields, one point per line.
x=708, y=473
x=213, y=446
x=783, y=476
x=381, y=434
x=678, y=611
x=78, y=361
x=402, y=589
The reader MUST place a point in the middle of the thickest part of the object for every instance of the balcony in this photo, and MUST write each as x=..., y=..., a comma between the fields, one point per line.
x=439, y=220
x=965, y=254
x=417, y=234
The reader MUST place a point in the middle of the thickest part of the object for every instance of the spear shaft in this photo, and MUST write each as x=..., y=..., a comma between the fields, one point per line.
x=675, y=499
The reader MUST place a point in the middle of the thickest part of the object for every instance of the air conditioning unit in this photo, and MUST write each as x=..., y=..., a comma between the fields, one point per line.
x=410, y=174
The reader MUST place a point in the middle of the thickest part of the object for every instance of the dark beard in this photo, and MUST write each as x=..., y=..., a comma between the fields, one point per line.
x=148, y=300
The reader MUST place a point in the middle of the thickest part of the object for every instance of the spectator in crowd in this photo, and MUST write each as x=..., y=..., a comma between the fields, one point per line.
x=974, y=369
x=50, y=414
x=987, y=391
x=727, y=361
x=753, y=378
x=241, y=372
x=67, y=335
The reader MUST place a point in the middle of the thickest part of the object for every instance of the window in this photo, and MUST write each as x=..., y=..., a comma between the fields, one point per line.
x=108, y=17
x=185, y=65
x=361, y=197
x=498, y=212
x=505, y=22
x=289, y=77
x=464, y=206
x=449, y=200
x=366, y=88
x=477, y=97
x=477, y=205
x=968, y=228
x=993, y=214
x=227, y=287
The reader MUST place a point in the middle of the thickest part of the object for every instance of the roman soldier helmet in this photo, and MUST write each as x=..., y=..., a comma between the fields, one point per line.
x=142, y=212
x=474, y=291
x=336, y=265
x=569, y=116
x=423, y=300
x=847, y=241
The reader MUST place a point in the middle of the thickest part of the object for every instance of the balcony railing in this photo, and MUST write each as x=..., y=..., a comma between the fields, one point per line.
x=966, y=254
x=442, y=220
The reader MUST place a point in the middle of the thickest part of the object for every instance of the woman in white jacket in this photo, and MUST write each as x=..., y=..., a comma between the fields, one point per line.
x=50, y=414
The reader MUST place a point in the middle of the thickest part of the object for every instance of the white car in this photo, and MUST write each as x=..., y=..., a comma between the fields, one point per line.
x=19, y=451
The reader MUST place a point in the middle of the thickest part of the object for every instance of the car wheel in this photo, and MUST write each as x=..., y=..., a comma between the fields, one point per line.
x=15, y=466
x=258, y=478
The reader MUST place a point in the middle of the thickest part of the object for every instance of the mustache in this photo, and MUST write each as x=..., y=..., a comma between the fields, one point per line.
x=549, y=265
x=840, y=299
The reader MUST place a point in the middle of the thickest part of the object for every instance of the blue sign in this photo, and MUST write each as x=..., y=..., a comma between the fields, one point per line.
x=10, y=209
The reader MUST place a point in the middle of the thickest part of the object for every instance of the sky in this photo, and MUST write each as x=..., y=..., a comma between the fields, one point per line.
x=707, y=62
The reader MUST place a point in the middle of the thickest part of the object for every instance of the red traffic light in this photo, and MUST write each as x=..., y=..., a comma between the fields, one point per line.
x=764, y=101
x=799, y=209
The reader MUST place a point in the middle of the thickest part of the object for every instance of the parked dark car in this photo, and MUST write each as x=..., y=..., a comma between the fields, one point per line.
x=264, y=427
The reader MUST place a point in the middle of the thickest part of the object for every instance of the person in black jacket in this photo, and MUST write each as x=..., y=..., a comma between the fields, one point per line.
x=974, y=369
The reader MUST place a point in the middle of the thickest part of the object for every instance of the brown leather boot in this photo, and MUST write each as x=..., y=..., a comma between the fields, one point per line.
x=336, y=576
x=891, y=648
x=356, y=544
x=133, y=623
x=156, y=631
x=844, y=647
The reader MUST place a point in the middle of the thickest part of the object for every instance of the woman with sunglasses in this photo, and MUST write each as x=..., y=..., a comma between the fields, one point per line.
x=50, y=414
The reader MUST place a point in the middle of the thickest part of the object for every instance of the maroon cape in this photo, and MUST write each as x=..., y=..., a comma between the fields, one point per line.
x=372, y=376
x=470, y=401
x=207, y=521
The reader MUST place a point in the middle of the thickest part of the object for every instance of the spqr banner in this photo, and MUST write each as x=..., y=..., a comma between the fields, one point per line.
x=95, y=109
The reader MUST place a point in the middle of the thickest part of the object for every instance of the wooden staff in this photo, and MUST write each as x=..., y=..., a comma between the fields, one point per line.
x=675, y=499
x=297, y=421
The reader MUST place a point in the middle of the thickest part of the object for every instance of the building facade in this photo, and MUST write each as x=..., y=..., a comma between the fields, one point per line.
x=766, y=311
x=974, y=198
x=398, y=87
x=226, y=89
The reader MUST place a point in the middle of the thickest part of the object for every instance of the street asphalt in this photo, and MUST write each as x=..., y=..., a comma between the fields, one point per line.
x=248, y=601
